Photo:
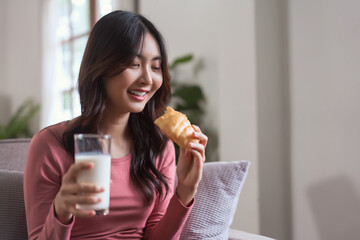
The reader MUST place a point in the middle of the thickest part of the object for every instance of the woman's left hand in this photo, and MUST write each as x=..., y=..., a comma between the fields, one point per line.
x=189, y=167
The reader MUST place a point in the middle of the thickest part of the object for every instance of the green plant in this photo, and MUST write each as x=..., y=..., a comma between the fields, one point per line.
x=19, y=124
x=187, y=98
x=190, y=99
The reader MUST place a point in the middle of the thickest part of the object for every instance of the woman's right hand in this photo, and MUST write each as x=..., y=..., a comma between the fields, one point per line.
x=72, y=193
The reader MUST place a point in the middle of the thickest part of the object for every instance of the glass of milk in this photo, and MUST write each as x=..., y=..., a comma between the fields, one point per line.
x=95, y=148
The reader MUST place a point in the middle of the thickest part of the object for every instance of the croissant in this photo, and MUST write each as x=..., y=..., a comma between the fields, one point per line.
x=177, y=127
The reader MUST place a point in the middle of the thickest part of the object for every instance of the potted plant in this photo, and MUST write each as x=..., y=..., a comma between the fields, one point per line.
x=189, y=99
x=19, y=124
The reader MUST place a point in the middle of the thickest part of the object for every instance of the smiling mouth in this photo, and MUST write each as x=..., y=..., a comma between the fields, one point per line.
x=137, y=93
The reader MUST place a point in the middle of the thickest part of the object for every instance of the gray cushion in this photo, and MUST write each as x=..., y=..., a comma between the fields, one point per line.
x=216, y=201
x=12, y=208
x=13, y=153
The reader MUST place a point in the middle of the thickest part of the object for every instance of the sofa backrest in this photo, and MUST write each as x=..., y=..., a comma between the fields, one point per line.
x=13, y=153
x=12, y=209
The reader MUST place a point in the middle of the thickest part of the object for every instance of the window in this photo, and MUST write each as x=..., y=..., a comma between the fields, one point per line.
x=75, y=18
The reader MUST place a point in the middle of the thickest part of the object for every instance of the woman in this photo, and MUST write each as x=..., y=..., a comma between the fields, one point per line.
x=124, y=86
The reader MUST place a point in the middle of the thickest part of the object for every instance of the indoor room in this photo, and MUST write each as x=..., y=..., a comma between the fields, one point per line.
x=273, y=84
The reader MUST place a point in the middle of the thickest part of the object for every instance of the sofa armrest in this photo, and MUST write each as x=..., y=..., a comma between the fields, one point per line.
x=239, y=235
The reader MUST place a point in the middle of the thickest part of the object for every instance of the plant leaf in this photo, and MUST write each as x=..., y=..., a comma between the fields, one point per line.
x=180, y=60
x=18, y=125
x=190, y=95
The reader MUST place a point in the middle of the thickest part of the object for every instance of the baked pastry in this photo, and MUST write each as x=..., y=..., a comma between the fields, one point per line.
x=177, y=127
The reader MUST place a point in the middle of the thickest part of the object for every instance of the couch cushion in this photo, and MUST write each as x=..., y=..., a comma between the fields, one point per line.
x=12, y=208
x=13, y=153
x=216, y=200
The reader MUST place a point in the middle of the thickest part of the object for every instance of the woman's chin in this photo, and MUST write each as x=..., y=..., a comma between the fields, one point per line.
x=137, y=109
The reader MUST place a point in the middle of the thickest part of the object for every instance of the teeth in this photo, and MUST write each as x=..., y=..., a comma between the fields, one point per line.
x=137, y=93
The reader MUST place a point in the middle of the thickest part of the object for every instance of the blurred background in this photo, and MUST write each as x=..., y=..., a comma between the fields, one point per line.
x=281, y=86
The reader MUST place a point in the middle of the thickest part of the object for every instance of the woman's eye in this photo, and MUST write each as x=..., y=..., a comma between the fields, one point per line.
x=135, y=65
x=156, y=68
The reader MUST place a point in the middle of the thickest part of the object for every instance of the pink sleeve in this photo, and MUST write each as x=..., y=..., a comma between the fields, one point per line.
x=169, y=214
x=42, y=181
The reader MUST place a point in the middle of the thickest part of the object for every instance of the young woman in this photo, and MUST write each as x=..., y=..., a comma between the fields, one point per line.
x=124, y=86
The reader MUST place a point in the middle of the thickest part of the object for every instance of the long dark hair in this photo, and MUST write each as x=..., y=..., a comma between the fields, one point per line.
x=113, y=42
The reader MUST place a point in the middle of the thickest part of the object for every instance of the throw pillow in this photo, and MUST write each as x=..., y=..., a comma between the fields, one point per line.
x=216, y=201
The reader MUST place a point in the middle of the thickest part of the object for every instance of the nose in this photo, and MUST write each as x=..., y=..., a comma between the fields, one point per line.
x=146, y=78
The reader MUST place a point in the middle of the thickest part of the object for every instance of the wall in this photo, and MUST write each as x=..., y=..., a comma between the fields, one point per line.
x=325, y=117
x=273, y=118
x=222, y=35
x=3, y=44
x=237, y=102
x=21, y=60
x=4, y=99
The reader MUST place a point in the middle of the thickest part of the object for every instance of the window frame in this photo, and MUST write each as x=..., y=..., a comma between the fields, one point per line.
x=68, y=94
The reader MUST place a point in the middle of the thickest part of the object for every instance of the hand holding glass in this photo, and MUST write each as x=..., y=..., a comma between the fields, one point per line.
x=95, y=148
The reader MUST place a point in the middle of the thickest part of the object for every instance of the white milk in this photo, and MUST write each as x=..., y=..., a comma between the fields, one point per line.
x=99, y=175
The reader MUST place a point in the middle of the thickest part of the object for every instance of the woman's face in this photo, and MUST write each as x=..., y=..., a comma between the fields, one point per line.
x=130, y=90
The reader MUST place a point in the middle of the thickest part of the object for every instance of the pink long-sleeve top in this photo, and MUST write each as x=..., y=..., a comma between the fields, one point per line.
x=129, y=217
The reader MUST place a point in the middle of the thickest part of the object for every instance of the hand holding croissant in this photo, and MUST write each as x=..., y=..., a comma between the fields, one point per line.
x=192, y=144
x=177, y=127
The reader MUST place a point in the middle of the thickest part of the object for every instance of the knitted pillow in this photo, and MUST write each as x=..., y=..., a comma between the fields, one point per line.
x=12, y=208
x=216, y=201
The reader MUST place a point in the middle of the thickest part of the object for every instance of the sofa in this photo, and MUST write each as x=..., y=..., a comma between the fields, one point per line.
x=211, y=217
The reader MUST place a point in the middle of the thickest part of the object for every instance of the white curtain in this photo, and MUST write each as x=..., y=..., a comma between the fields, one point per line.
x=49, y=44
x=53, y=83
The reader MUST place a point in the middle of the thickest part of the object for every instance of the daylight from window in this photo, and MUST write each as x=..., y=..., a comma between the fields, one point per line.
x=73, y=24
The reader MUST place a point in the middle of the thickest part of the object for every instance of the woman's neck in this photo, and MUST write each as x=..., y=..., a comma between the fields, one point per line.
x=114, y=126
x=118, y=128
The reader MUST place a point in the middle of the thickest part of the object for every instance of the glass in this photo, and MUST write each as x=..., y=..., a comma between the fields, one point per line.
x=95, y=148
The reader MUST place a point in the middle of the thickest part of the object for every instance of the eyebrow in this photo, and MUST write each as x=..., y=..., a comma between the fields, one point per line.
x=153, y=59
